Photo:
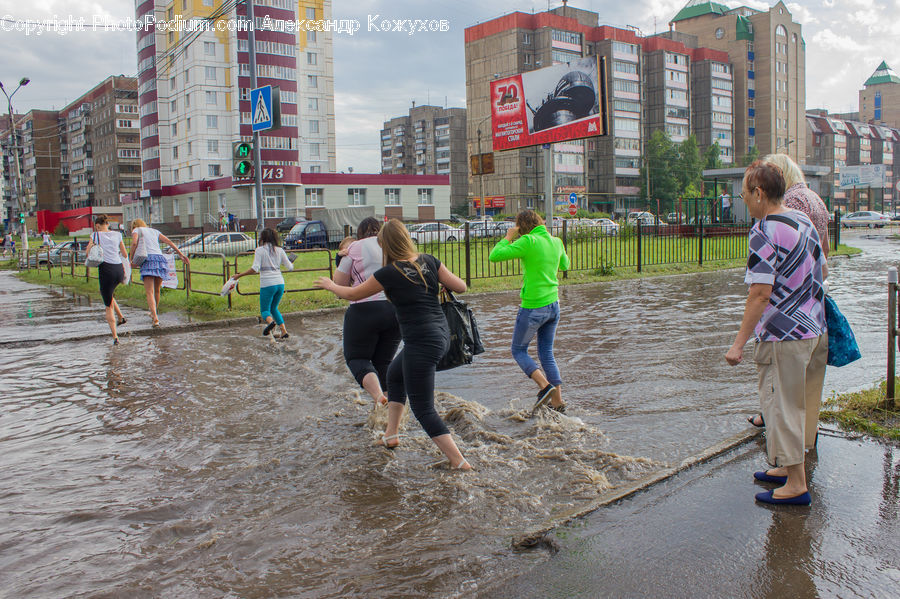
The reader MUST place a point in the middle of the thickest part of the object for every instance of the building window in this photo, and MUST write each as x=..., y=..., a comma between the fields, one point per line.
x=425, y=196
x=274, y=203
x=312, y=104
x=215, y=170
x=210, y=73
x=210, y=98
x=187, y=76
x=310, y=36
x=312, y=81
x=356, y=196
x=212, y=147
x=209, y=48
x=529, y=162
x=566, y=37
x=526, y=38
x=174, y=129
x=315, y=197
x=311, y=14
x=189, y=123
x=310, y=58
x=173, y=106
x=175, y=208
x=212, y=121
x=391, y=196
x=191, y=205
x=175, y=152
x=314, y=126
x=314, y=150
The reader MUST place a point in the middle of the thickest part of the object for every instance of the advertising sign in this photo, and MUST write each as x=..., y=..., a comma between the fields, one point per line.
x=549, y=105
x=862, y=176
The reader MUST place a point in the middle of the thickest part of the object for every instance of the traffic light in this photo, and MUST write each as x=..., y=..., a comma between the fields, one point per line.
x=21, y=218
x=242, y=159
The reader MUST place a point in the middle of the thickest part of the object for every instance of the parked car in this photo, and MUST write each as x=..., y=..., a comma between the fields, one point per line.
x=675, y=218
x=646, y=219
x=288, y=223
x=56, y=255
x=607, y=226
x=865, y=218
x=229, y=244
x=479, y=228
x=305, y=235
x=895, y=217
x=429, y=232
x=502, y=227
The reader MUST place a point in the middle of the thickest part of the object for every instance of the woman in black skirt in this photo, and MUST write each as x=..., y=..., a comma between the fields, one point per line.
x=111, y=270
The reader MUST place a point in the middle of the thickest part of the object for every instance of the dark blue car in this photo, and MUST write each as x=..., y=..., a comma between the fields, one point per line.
x=305, y=235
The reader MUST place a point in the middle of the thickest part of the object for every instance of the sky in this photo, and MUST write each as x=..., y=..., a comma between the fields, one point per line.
x=379, y=74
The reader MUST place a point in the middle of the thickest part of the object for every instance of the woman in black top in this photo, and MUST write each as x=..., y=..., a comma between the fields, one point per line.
x=411, y=282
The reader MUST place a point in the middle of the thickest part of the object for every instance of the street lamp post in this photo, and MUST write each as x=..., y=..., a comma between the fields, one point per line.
x=481, y=166
x=12, y=128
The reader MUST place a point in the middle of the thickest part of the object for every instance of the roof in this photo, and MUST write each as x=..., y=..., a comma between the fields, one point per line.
x=883, y=74
x=698, y=8
x=743, y=28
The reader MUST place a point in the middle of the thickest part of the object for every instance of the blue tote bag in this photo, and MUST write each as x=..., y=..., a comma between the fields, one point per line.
x=842, y=346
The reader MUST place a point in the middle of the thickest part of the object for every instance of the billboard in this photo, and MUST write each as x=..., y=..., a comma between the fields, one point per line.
x=862, y=176
x=549, y=105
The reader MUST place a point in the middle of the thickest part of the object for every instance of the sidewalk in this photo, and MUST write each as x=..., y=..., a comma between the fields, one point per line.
x=701, y=534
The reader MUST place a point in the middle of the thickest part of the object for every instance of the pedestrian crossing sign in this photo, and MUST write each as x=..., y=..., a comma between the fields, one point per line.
x=261, y=106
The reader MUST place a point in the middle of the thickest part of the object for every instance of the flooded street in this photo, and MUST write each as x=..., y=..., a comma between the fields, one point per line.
x=214, y=463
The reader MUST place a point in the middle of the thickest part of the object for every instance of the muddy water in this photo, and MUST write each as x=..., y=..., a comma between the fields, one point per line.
x=214, y=463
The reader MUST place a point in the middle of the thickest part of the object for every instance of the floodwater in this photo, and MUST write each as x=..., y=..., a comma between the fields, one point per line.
x=215, y=463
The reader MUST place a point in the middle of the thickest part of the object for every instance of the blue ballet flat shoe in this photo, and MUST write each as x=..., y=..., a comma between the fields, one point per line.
x=767, y=497
x=768, y=478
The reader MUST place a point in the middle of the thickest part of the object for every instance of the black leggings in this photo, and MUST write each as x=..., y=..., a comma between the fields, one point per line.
x=412, y=373
x=371, y=338
x=110, y=277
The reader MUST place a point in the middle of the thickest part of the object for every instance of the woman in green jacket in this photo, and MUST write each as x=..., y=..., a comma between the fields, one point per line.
x=542, y=256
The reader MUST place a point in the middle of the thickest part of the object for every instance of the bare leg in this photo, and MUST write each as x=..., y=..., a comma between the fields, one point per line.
x=372, y=386
x=117, y=310
x=395, y=411
x=283, y=329
x=556, y=397
x=538, y=377
x=796, y=482
x=446, y=444
x=151, y=297
x=157, y=287
x=111, y=320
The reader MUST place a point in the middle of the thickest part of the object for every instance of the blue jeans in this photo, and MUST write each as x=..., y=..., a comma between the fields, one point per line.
x=269, y=298
x=542, y=322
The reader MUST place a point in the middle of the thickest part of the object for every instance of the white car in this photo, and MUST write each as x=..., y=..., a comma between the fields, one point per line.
x=228, y=243
x=430, y=232
x=479, y=228
x=646, y=218
x=865, y=218
x=607, y=226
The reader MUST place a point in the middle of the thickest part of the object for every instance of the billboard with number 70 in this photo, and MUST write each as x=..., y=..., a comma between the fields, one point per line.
x=549, y=105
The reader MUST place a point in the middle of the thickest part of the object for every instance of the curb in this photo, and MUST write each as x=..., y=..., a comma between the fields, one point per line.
x=535, y=536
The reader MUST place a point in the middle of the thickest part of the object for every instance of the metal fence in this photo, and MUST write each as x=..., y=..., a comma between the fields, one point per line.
x=591, y=248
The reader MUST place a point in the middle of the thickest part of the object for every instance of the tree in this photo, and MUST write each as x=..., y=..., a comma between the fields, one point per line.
x=751, y=156
x=661, y=158
x=712, y=157
x=689, y=169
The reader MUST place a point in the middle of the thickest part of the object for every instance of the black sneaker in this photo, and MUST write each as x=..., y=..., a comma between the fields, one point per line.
x=543, y=397
x=561, y=408
x=269, y=328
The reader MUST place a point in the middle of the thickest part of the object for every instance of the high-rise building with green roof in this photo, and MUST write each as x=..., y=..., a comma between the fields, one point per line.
x=879, y=100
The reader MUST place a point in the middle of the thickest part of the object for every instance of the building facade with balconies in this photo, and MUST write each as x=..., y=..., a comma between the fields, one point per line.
x=430, y=140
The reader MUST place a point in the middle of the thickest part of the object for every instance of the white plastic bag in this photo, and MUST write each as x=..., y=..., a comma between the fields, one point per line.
x=228, y=287
x=127, y=267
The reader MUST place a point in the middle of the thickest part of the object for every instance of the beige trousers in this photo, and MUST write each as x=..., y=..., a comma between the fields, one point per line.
x=791, y=377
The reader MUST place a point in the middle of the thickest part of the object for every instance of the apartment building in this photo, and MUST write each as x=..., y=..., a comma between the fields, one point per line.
x=194, y=102
x=8, y=183
x=430, y=140
x=649, y=85
x=768, y=55
x=879, y=100
x=39, y=131
x=99, y=137
x=835, y=143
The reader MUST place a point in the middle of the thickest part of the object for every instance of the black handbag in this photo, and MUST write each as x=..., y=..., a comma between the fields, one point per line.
x=465, y=341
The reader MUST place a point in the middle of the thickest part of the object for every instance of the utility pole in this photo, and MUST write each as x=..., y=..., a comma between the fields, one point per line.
x=15, y=136
x=257, y=160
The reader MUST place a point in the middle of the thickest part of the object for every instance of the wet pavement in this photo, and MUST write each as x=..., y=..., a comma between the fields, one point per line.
x=213, y=463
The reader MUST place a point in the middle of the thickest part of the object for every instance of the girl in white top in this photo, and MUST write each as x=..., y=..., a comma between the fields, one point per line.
x=155, y=267
x=110, y=270
x=267, y=261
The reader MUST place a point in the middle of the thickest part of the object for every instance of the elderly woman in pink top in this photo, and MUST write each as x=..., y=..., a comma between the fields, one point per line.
x=371, y=330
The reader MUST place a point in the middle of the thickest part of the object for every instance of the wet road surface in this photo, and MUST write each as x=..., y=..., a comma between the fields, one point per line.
x=214, y=463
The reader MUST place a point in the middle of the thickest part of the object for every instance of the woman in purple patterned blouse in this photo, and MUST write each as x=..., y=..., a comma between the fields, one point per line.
x=785, y=313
